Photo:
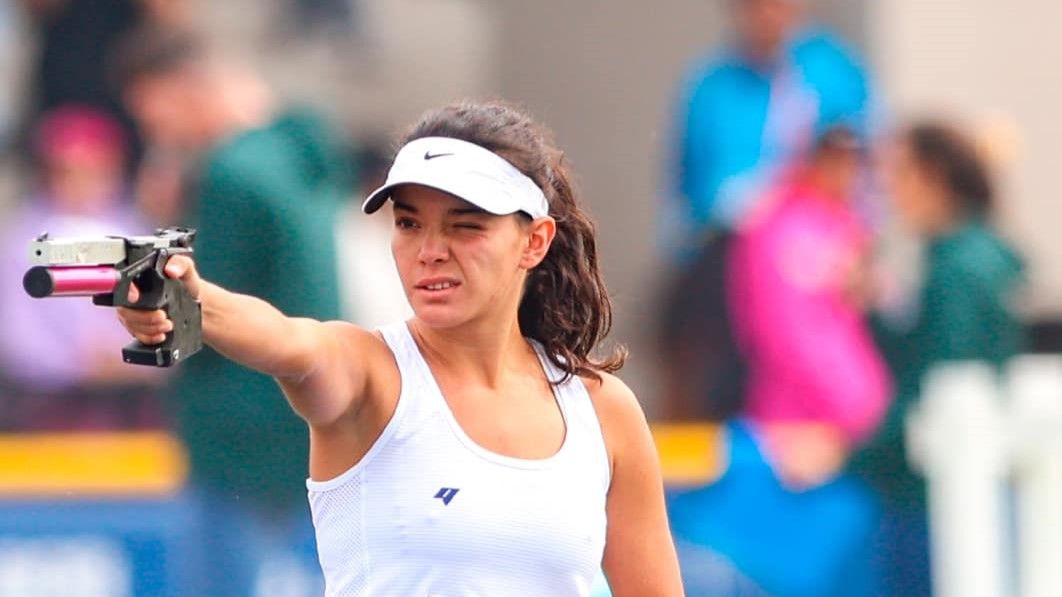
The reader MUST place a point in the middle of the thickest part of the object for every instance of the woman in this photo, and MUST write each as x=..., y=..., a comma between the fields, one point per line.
x=817, y=385
x=942, y=193
x=816, y=388
x=479, y=448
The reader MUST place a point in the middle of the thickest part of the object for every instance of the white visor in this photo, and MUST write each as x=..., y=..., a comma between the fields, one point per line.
x=465, y=170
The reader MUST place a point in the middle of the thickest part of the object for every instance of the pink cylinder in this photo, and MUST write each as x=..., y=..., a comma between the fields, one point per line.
x=83, y=281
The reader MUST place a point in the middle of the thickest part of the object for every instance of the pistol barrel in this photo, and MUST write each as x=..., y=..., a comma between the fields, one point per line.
x=77, y=251
x=41, y=281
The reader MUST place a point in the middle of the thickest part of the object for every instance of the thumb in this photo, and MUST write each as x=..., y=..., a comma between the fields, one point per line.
x=182, y=268
x=179, y=267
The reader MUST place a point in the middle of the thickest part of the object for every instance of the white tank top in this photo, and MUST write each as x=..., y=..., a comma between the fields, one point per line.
x=428, y=512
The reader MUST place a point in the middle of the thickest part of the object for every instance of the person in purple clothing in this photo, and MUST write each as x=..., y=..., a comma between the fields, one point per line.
x=59, y=359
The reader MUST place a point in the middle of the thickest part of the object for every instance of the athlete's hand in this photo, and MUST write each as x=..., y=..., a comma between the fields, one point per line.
x=151, y=327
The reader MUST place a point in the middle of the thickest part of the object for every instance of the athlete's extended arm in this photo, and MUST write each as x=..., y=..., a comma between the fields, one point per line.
x=321, y=365
x=640, y=559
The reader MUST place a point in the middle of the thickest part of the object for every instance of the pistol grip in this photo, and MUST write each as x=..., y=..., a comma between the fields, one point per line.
x=158, y=355
x=186, y=338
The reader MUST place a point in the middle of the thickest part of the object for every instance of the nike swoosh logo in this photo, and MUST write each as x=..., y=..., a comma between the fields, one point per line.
x=431, y=156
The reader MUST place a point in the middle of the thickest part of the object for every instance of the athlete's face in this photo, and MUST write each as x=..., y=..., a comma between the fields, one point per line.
x=459, y=263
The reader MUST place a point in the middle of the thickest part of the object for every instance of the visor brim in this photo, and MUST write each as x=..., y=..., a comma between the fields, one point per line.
x=377, y=198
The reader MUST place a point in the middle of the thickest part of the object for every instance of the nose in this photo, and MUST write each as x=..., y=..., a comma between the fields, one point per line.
x=434, y=248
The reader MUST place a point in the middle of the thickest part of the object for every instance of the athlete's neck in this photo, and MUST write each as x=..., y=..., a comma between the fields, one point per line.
x=483, y=355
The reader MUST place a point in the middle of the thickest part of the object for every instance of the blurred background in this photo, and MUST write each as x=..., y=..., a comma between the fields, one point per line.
x=828, y=227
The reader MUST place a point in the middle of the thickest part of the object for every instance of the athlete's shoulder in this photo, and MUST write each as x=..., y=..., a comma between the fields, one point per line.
x=617, y=407
x=608, y=388
x=370, y=348
x=355, y=335
x=370, y=367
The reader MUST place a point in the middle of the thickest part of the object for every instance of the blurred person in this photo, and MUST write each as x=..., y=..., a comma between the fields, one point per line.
x=753, y=106
x=702, y=369
x=61, y=357
x=162, y=184
x=796, y=278
x=744, y=114
x=817, y=387
x=941, y=191
x=478, y=447
x=268, y=183
x=74, y=41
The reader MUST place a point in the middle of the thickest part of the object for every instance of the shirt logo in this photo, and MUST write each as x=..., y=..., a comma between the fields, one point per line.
x=446, y=494
x=431, y=156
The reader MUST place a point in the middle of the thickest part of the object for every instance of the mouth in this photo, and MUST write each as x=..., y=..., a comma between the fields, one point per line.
x=437, y=285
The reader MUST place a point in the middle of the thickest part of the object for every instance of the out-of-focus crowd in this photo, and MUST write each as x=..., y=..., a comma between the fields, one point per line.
x=784, y=322
x=781, y=322
x=135, y=121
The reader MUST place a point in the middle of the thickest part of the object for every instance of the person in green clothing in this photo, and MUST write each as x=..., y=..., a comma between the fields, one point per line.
x=265, y=195
x=943, y=193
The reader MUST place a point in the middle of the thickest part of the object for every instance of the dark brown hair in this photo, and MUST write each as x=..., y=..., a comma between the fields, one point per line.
x=949, y=155
x=565, y=305
x=837, y=139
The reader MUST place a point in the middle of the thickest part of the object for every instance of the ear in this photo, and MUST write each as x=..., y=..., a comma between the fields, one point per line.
x=540, y=233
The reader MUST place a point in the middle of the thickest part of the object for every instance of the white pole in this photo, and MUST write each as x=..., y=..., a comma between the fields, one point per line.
x=1035, y=389
x=956, y=439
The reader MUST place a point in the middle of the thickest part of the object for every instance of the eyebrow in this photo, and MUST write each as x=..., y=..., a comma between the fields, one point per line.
x=399, y=206
x=468, y=211
x=456, y=211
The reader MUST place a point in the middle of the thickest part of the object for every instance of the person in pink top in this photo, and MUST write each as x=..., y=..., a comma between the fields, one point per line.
x=817, y=386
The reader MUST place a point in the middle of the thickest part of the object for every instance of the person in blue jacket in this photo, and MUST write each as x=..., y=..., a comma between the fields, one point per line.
x=754, y=105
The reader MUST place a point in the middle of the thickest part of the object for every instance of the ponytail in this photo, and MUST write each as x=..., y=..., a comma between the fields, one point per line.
x=566, y=306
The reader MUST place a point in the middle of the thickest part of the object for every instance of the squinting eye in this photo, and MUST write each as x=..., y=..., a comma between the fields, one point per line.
x=404, y=223
x=468, y=226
